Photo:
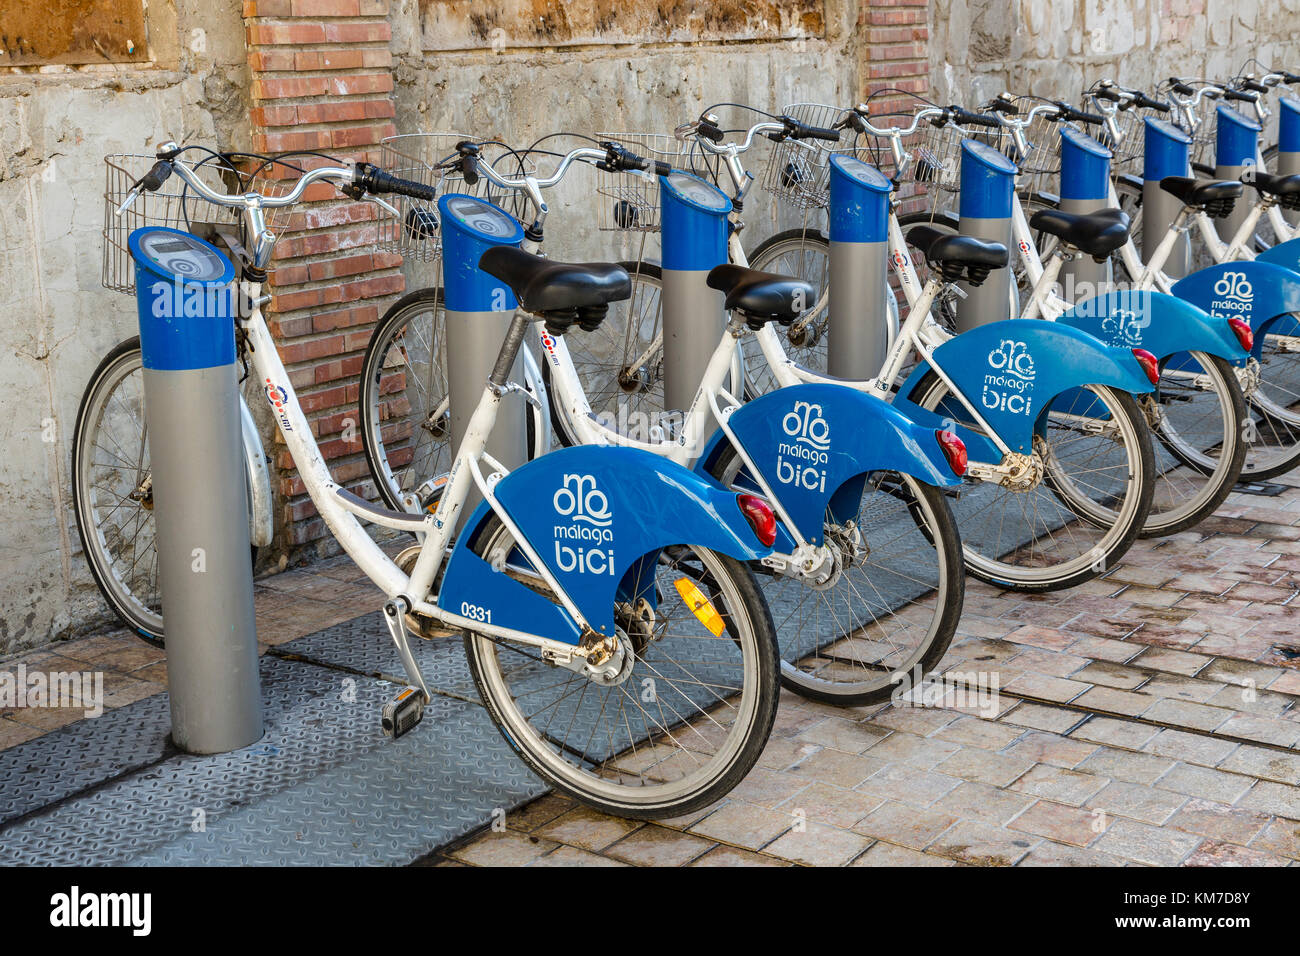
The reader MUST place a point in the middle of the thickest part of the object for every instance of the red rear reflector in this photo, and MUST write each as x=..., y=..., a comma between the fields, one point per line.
x=954, y=449
x=1148, y=363
x=760, y=517
x=1244, y=335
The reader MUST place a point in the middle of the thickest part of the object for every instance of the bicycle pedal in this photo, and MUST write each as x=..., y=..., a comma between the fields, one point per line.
x=403, y=712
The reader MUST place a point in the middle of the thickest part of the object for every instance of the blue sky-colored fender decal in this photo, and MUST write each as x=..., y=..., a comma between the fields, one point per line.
x=592, y=513
x=1162, y=324
x=808, y=440
x=1255, y=292
x=1010, y=371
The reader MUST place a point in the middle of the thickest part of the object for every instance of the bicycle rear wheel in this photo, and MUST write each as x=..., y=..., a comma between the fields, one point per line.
x=680, y=730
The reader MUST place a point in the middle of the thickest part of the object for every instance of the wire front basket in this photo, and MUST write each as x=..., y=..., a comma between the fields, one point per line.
x=414, y=233
x=798, y=170
x=174, y=205
x=631, y=203
x=1204, y=137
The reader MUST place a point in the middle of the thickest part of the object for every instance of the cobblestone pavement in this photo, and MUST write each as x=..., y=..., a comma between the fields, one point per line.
x=1150, y=717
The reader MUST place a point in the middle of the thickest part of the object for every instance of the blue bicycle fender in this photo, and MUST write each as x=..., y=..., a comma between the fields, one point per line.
x=592, y=513
x=1011, y=371
x=813, y=443
x=1162, y=324
x=1284, y=254
x=1264, y=295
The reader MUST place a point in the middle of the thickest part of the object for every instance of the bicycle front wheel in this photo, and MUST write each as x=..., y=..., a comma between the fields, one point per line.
x=680, y=730
x=890, y=608
x=1081, y=498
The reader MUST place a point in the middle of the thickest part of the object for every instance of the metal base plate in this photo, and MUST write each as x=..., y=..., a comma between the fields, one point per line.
x=323, y=786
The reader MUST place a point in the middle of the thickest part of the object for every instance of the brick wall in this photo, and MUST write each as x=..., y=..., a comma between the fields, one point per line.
x=895, y=48
x=322, y=80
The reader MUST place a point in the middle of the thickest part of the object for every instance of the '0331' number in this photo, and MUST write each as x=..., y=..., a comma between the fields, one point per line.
x=474, y=611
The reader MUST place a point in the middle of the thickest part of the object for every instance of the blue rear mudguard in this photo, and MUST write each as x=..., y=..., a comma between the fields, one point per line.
x=1012, y=371
x=815, y=445
x=1264, y=295
x=1164, y=325
x=598, y=517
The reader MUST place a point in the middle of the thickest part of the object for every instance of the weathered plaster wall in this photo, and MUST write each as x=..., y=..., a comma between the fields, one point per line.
x=1055, y=48
x=56, y=124
x=514, y=90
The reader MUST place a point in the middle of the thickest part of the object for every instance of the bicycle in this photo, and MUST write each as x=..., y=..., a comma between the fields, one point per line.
x=866, y=579
x=1002, y=455
x=561, y=568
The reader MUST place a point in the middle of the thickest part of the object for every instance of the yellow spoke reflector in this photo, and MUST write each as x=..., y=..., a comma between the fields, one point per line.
x=702, y=606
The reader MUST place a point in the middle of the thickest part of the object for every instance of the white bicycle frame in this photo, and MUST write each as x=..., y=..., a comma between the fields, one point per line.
x=343, y=512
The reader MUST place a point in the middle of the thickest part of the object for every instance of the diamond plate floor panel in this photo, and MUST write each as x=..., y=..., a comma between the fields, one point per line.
x=322, y=786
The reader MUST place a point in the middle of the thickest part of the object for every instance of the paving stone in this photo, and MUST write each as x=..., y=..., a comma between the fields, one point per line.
x=887, y=854
x=1058, y=784
x=1061, y=823
x=1178, y=687
x=977, y=801
x=1205, y=782
x=899, y=823
x=1056, y=854
x=540, y=811
x=974, y=732
x=1047, y=638
x=586, y=828
x=1281, y=837
x=1241, y=673
x=1127, y=766
x=1137, y=801
x=995, y=769
x=835, y=806
x=818, y=845
x=658, y=846
x=920, y=788
x=1041, y=717
x=838, y=768
x=733, y=856
x=1186, y=714
x=1193, y=748
x=572, y=856
x=1112, y=701
x=1111, y=675
x=743, y=824
x=1115, y=732
x=1276, y=798
x=768, y=788
x=1218, y=821
x=781, y=753
x=920, y=721
x=1154, y=846
x=506, y=848
x=1264, y=763
x=1051, y=749
x=1046, y=687
x=1048, y=662
x=1105, y=649
x=921, y=752
x=849, y=736
x=1266, y=730
x=984, y=845
x=1262, y=703
x=1211, y=853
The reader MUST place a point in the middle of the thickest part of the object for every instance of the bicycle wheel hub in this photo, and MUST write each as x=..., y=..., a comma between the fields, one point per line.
x=1022, y=473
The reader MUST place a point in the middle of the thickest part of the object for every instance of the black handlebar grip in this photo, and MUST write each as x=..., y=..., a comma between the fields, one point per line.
x=709, y=131
x=1289, y=78
x=1240, y=95
x=662, y=168
x=1078, y=116
x=1150, y=102
x=1178, y=86
x=969, y=118
x=798, y=130
x=469, y=169
x=1252, y=85
x=1107, y=93
x=153, y=180
x=1000, y=105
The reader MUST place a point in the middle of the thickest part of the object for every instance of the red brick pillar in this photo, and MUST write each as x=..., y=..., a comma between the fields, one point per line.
x=322, y=80
x=896, y=47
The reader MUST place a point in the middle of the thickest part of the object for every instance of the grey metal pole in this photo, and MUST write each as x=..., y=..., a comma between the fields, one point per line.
x=1288, y=145
x=478, y=309
x=693, y=230
x=858, y=334
x=987, y=186
x=186, y=301
x=1166, y=152
x=1085, y=188
x=1236, y=147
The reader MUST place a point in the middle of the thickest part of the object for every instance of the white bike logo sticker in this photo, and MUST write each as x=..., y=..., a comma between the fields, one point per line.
x=1009, y=386
x=589, y=548
x=1234, y=296
x=1124, y=328
x=802, y=462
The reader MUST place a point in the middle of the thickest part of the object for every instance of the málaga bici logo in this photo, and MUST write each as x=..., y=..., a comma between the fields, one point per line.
x=801, y=461
x=1123, y=327
x=1009, y=384
x=584, y=542
x=1234, y=296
